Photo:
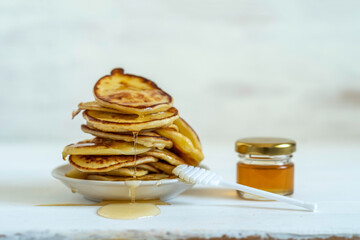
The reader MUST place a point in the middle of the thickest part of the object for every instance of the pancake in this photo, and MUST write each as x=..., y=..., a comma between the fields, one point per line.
x=125, y=172
x=164, y=167
x=147, y=139
x=92, y=163
x=185, y=129
x=100, y=146
x=129, y=108
x=147, y=167
x=74, y=173
x=165, y=155
x=154, y=176
x=141, y=170
x=131, y=94
x=116, y=122
x=183, y=146
x=93, y=106
x=173, y=127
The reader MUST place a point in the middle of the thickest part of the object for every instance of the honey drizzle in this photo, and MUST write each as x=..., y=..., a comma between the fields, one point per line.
x=135, y=135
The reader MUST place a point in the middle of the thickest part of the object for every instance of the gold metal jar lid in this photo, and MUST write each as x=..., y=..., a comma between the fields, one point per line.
x=265, y=146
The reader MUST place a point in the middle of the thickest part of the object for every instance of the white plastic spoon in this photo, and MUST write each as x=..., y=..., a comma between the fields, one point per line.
x=198, y=175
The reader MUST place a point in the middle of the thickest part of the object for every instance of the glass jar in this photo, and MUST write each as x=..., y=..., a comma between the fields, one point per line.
x=265, y=163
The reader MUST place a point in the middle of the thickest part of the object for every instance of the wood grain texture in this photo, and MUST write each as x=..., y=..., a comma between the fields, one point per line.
x=326, y=175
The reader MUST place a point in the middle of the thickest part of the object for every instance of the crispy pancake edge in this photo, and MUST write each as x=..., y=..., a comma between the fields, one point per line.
x=148, y=159
x=175, y=115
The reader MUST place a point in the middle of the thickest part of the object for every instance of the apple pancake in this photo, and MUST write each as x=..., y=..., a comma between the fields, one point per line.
x=92, y=106
x=147, y=139
x=130, y=94
x=183, y=146
x=153, y=176
x=185, y=129
x=101, y=146
x=165, y=155
x=173, y=127
x=93, y=163
x=116, y=122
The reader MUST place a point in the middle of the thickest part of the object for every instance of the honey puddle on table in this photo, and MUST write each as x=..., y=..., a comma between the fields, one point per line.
x=128, y=211
x=124, y=209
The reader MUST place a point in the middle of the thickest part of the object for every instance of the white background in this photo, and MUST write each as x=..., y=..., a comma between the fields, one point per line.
x=234, y=68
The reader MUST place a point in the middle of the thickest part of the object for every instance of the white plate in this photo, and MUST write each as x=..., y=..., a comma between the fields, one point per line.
x=94, y=190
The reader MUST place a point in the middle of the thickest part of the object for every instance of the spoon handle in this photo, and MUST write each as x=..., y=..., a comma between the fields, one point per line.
x=308, y=205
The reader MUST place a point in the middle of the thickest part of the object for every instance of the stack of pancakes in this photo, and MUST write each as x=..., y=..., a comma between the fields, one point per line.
x=137, y=133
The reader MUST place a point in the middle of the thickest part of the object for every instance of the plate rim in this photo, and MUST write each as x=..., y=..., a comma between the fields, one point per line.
x=61, y=176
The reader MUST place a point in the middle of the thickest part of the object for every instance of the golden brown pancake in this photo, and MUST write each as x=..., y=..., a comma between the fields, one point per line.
x=182, y=146
x=165, y=155
x=148, y=167
x=101, y=146
x=147, y=139
x=154, y=176
x=92, y=163
x=130, y=94
x=93, y=106
x=74, y=173
x=125, y=172
x=116, y=122
x=164, y=167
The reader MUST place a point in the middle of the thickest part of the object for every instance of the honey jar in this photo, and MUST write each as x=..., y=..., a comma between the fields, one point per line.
x=265, y=163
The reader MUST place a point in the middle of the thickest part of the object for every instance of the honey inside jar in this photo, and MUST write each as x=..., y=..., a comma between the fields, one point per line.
x=265, y=163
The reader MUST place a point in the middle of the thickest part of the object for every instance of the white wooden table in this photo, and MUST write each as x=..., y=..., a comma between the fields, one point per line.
x=328, y=175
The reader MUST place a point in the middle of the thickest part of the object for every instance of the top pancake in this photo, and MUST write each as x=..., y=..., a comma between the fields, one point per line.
x=131, y=94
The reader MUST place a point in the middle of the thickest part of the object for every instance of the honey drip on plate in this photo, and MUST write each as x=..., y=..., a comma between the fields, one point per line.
x=132, y=210
x=133, y=185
